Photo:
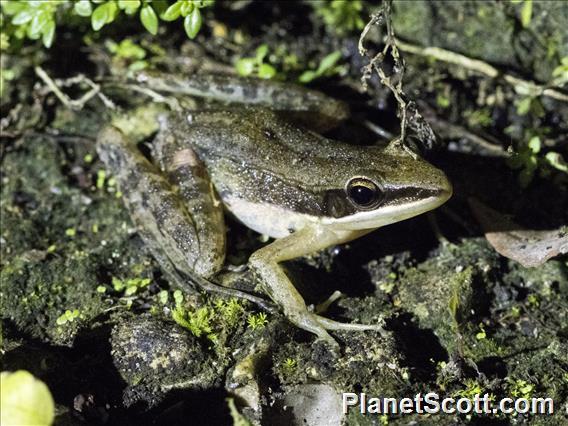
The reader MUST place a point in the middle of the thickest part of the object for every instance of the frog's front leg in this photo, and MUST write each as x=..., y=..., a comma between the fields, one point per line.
x=265, y=262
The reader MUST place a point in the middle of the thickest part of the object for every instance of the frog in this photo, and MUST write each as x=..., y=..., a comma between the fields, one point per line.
x=261, y=157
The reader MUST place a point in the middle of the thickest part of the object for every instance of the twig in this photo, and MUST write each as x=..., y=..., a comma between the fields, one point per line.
x=410, y=118
x=520, y=85
x=442, y=125
x=377, y=60
x=74, y=104
x=155, y=96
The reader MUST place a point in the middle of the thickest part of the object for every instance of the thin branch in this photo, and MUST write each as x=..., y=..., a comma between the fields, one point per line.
x=74, y=104
x=520, y=85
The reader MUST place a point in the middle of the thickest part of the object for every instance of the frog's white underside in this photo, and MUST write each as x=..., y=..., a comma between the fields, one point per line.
x=278, y=222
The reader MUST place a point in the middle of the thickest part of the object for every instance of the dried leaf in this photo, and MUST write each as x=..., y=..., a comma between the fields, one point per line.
x=530, y=248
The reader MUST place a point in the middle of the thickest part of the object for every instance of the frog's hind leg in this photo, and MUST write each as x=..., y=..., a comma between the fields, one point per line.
x=156, y=208
x=189, y=178
x=179, y=241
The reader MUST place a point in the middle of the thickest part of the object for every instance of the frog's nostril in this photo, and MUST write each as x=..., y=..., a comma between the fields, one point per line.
x=445, y=189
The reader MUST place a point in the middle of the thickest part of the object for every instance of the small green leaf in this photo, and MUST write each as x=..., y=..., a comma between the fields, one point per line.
x=129, y=6
x=83, y=8
x=163, y=297
x=192, y=23
x=266, y=71
x=37, y=25
x=245, y=66
x=13, y=7
x=524, y=106
x=178, y=297
x=149, y=19
x=131, y=290
x=307, y=76
x=328, y=62
x=557, y=161
x=186, y=8
x=137, y=66
x=99, y=17
x=23, y=17
x=534, y=144
x=48, y=33
x=261, y=52
x=25, y=400
x=173, y=12
x=526, y=13
x=112, y=11
x=117, y=284
x=103, y=14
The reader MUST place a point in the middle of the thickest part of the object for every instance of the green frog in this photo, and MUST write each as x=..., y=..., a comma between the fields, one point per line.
x=263, y=163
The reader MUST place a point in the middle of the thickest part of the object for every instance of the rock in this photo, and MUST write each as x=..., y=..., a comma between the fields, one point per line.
x=155, y=356
x=310, y=405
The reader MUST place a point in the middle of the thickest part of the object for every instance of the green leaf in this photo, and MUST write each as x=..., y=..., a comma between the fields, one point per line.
x=192, y=23
x=186, y=8
x=534, y=144
x=129, y=6
x=526, y=13
x=261, y=52
x=48, y=33
x=83, y=8
x=149, y=19
x=12, y=7
x=25, y=400
x=266, y=71
x=178, y=297
x=557, y=161
x=103, y=14
x=117, y=284
x=245, y=66
x=37, y=25
x=99, y=17
x=131, y=290
x=328, y=62
x=307, y=76
x=173, y=12
x=23, y=17
x=163, y=297
x=524, y=106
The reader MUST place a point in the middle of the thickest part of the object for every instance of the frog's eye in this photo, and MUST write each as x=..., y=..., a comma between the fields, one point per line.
x=363, y=193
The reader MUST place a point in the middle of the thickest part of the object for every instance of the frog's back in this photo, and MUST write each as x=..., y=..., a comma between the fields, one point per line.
x=272, y=175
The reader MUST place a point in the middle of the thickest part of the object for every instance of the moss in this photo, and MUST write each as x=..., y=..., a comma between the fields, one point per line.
x=441, y=292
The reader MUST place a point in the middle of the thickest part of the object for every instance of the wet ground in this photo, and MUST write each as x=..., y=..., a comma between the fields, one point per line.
x=87, y=309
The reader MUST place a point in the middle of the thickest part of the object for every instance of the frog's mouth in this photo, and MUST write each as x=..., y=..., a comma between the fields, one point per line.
x=408, y=203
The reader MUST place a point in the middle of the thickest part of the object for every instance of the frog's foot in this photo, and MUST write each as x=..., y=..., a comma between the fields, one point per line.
x=319, y=325
x=310, y=322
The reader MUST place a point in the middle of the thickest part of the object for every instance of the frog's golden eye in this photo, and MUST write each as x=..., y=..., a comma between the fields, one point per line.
x=363, y=193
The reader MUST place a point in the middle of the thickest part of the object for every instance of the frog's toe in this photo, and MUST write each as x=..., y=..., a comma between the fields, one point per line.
x=329, y=324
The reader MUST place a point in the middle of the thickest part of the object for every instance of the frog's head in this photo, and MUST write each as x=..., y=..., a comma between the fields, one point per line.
x=392, y=187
